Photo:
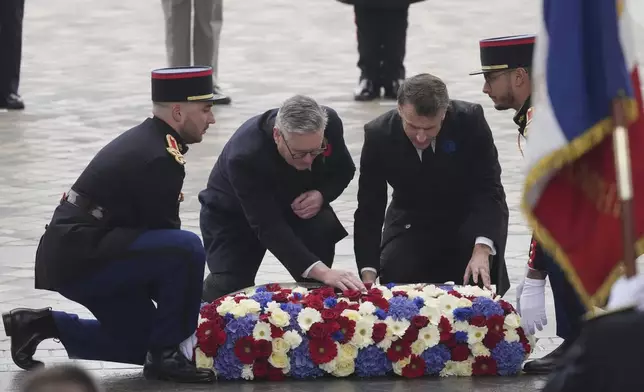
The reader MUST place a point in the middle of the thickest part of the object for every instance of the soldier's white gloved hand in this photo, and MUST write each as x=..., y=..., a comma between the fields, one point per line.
x=187, y=347
x=519, y=292
x=533, y=305
x=627, y=292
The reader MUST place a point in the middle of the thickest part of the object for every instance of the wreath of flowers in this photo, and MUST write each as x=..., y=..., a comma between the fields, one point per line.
x=270, y=332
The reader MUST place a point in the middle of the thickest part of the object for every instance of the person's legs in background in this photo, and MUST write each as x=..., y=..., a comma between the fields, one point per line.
x=368, y=35
x=394, y=40
x=11, y=16
x=208, y=21
x=177, y=31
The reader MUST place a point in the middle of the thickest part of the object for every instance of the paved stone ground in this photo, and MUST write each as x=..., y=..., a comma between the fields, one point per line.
x=86, y=79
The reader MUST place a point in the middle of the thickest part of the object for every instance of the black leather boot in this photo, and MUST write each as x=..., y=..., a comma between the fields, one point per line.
x=12, y=102
x=27, y=328
x=550, y=361
x=391, y=89
x=366, y=91
x=171, y=365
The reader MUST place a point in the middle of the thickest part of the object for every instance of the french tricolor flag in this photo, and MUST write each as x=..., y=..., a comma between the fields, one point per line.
x=584, y=58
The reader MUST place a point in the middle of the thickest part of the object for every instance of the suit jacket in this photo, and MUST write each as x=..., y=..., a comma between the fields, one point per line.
x=454, y=193
x=251, y=185
x=137, y=182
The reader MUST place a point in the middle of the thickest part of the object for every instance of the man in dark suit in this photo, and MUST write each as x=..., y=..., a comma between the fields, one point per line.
x=271, y=189
x=114, y=245
x=11, y=16
x=448, y=214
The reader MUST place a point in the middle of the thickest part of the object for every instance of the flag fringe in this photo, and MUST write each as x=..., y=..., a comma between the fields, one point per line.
x=554, y=162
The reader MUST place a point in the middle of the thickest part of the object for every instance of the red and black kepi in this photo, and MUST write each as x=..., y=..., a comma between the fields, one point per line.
x=182, y=84
x=509, y=52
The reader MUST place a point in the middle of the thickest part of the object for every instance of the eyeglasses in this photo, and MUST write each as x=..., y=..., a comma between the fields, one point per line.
x=302, y=154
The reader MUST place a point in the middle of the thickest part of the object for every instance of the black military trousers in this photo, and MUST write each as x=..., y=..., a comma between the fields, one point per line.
x=416, y=256
x=382, y=39
x=234, y=254
x=11, y=15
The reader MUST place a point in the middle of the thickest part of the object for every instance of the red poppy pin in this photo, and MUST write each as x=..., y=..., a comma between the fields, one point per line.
x=328, y=149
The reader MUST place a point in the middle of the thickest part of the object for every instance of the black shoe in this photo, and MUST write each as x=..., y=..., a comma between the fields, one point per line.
x=27, y=328
x=220, y=98
x=391, y=89
x=12, y=102
x=550, y=361
x=366, y=91
x=171, y=365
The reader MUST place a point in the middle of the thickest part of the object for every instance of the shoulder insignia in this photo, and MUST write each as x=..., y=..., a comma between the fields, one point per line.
x=173, y=149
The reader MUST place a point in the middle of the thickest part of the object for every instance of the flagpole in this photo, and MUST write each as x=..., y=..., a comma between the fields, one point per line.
x=625, y=184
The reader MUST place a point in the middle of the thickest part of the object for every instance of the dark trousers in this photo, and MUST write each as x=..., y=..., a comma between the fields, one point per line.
x=382, y=39
x=164, y=266
x=415, y=256
x=11, y=15
x=234, y=253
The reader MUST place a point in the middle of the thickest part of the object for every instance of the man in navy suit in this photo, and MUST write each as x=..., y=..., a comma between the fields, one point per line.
x=271, y=189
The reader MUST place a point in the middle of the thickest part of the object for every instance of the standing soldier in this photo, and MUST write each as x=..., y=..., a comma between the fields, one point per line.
x=114, y=245
x=505, y=65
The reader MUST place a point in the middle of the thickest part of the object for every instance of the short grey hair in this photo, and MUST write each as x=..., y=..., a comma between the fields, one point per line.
x=301, y=114
x=426, y=92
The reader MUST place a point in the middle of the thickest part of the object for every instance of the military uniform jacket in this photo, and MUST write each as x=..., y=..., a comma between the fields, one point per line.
x=136, y=179
x=251, y=188
x=454, y=192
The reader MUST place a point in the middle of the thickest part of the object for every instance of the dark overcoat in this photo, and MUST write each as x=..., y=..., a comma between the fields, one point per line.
x=135, y=183
x=454, y=194
x=247, y=202
x=381, y=3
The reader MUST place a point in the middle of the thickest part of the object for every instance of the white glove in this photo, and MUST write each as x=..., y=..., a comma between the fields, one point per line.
x=627, y=292
x=533, y=305
x=519, y=292
x=187, y=347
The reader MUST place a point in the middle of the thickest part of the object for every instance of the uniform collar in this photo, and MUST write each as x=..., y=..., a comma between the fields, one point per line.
x=167, y=129
x=521, y=117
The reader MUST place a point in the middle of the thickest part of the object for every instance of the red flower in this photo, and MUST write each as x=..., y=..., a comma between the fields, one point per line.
x=209, y=311
x=419, y=321
x=444, y=325
x=210, y=337
x=238, y=299
x=341, y=306
x=379, y=302
x=524, y=341
x=491, y=339
x=495, y=324
x=415, y=368
x=399, y=349
x=244, y=350
x=333, y=326
x=368, y=285
x=329, y=314
x=260, y=368
x=347, y=327
x=322, y=350
x=506, y=306
x=478, y=321
x=273, y=287
x=375, y=292
x=484, y=366
x=324, y=292
x=280, y=297
x=352, y=295
x=327, y=150
x=319, y=331
x=355, y=307
x=263, y=349
x=460, y=353
x=411, y=334
x=313, y=301
x=287, y=291
x=276, y=332
x=448, y=339
x=379, y=332
x=400, y=293
x=455, y=294
x=275, y=374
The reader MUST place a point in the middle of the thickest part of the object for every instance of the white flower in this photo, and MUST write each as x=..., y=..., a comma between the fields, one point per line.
x=464, y=303
x=329, y=367
x=512, y=321
x=431, y=310
x=271, y=306
x=308, y=317
x=247, y=372
x=226, y=306
x=479, y=350
x=447, y=304
x=300, y=290
x=398, y=366
x=347, y=352
x=511, y=335
x=476, y=334
x=464, y=368
x=344, y=367
x=250, y=306
x=292, y=338
x=262, y=331
x=280, y=346
x=351, y=314
x=432, y=291
x=202, y=361
x=474, y=291
x=278, y=360
x=430, y=335
x=362, y=336
x=388, y=339
x=398, y=327
x=367, y=308
x=450, y=369
x=386, y=293
x=279, y=318
x=419, y=346
x=462, y=326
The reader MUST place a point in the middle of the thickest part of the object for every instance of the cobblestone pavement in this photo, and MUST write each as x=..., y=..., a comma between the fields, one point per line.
x=86, y=79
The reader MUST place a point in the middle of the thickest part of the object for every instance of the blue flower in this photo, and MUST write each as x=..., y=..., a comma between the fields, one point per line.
x=372, y=361
x=261, y=289
x=263, y=297
x=463, y=314
x=449, y=146
x=435, y=358
x=401, y=308
x=293, y=310
x=486, y=307
x=337, y=336
x=228, y=366
x=297, y=295
x=390, y=285
x=460, y=336
x=419, y=302
x=238, y=328
x=508, y=357
x=330, y=302
x=301, y=364
x=381, y=314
